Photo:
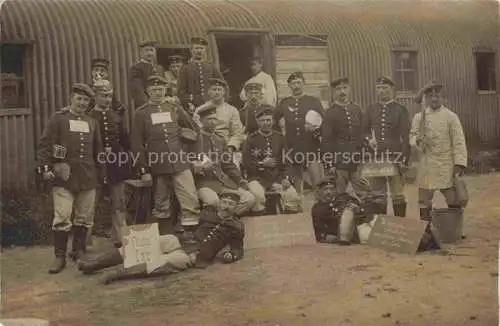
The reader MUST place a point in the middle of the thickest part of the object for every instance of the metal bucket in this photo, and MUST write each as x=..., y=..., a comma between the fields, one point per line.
x=448, y=223
x=347, y=224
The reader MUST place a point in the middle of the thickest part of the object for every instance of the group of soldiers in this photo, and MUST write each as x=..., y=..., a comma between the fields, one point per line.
x=239, y=155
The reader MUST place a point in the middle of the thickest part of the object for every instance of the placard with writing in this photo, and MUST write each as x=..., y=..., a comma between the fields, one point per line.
x=278, y=230
x=141, y=245
x=393, y=233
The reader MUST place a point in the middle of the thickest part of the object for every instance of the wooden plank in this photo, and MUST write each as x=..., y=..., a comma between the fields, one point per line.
x=289, y=66
x=284, y=53
x=393, y=233
x=278, y=230
x=15, y=111
x=310, y=77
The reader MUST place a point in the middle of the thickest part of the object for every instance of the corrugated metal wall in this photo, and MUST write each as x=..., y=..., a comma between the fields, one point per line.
x=68, y=34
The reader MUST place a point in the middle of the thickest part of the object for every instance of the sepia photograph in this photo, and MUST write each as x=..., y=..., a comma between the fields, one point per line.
x=250, y=162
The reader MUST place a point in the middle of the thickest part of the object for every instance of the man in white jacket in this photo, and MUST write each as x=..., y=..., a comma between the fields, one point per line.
x=260, y=77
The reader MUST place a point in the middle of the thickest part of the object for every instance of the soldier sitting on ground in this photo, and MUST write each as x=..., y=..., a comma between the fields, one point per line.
x=219, y=229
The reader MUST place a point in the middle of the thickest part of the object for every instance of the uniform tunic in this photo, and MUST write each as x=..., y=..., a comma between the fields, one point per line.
x=344, y=132
x=116, y=142
x=155, y=137
x=324, y=221
x=193, y=81
x=247, y=117
x=115, y=105
x=447, y=148
x=257, y=147
x=294, y=110
x=226, y=174
x=390, y=123
x=80, y=135
x=139, y=74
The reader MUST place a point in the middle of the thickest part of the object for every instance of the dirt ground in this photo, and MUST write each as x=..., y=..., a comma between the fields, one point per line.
x=311, y=285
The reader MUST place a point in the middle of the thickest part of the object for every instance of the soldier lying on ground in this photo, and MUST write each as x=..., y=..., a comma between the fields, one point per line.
x=219, y=229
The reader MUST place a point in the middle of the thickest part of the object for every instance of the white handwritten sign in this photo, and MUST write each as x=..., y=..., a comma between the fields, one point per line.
x=141, y=245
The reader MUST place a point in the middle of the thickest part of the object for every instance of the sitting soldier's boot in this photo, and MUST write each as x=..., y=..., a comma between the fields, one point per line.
x=78, y=246
x=166, y=226
x=425, y=214
x=110, y=258
x=399, y=209
x=60, y=249
x=380, y=208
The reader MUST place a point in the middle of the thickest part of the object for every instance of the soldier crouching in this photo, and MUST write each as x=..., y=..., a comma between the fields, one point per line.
x=219, y=228
x=68, y=154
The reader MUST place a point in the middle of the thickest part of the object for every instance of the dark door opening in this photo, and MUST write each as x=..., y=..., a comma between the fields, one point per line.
x=235, y=52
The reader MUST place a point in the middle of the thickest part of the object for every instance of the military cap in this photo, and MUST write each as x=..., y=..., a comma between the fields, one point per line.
x=103, y=86
x=226, y=193
x=84, y=89
x=207, y=110
x=156, y=80
x=148, y=43
x=263, y=110
x=199, y=40
x=385, y=81
x=326, y=181
x=175, y=58
x=254, y=87
x=295, y=75
x=337, y=81
x=432, y=87
x=217, y=82
x=100, y=62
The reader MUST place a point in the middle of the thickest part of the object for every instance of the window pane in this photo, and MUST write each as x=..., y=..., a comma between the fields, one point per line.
x=405, y=70
x=12, y=58
x=485, y=67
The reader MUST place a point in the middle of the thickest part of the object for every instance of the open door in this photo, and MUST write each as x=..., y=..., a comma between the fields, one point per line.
x=232, y=50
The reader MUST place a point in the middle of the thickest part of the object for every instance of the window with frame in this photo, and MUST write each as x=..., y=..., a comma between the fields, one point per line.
x=12, y=75
x=404, y=70
x=485, y=71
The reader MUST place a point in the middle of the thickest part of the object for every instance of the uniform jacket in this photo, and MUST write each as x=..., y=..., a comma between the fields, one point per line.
x=193, y=81
x=226, y=174
x=155, y=137
x=269, y=88
x=116, y=143
x=214, y=233
x=247, y=117
x=323, y=219
x=229, y=125
x=139, y=74
x=115, y=105
x=259, y=146
x=447, y=147
x=390, y=124
x=80, y=135
x=294, y=110
x=343, y=132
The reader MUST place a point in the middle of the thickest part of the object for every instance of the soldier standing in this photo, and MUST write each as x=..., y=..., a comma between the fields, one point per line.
x=259, y=76
x=115, y=140
x=390, y=123
x=254, y=98
x=263, y=163
x=302, y=140
x=156, y=139
x=215, y=171
x=193, y=77
x=100, y=71
x=175, y=65
x=439, y=138
x=141, y=71
x=344, y=132
x=68, y=156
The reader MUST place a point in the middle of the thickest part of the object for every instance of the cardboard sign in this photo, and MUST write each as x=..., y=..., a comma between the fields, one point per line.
x=399, y=234
x=141, y=245
x=161, y=117
x=79, y=126
x=278, y=230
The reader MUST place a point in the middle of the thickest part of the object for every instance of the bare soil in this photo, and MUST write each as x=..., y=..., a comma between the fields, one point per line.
x=310, y=285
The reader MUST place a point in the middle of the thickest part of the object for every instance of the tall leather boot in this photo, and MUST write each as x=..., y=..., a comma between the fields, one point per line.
x=79, y=242
x=60, y=249
x=109, y=258
x=425, y=214
x=399, y=209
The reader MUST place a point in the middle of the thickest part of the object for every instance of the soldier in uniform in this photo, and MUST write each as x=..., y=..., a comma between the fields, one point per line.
x=439, y=139
x=193, y=77
x=156, y=139
x=390, y=123
x=263, y=163
x=344, y=132
x=115, y=139
x=253, y=92
x=100, y=71
x=267, y=82
x=214, y=169
x=302, y=140
x=220, y=231
x=141, y=71
x=176, y=63
x=68, y=156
